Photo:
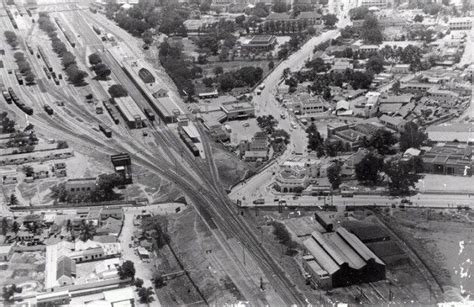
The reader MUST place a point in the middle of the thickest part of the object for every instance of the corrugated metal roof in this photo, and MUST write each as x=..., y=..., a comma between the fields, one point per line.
x=345, y=250
x=357, y=245
x=330, y=250
x=320, y=255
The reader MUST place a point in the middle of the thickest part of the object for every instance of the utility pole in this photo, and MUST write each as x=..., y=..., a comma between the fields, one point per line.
x=262, y=286
x=243, y=252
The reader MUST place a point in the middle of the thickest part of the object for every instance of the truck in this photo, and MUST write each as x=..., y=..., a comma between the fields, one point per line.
x=105, y=130
x=259, y=201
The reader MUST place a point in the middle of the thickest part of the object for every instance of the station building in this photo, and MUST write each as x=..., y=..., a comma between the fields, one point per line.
x=130, y=111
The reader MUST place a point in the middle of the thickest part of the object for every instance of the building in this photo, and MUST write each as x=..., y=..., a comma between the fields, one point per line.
x=461, y=23
x=36, y=156
x=8, y=176
x=400, y=69
x=259, y=43
x=339, y=259
x=81, y=186
x=256, y=149
x=396, y=123
x=312, y=18
x=295, y=175
x=451, y=132
x=120, y=297
x=448, y=159
x=373, y=3
x=306, y=104
x=416, y=87
x=352, y=136
x=443, y=96
x=123, y=166
x=238, y=109
x=130, y=111
x=65, y=271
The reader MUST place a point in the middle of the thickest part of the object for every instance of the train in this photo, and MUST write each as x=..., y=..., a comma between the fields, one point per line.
x=111, y=112
x=12, y=19
x=7, y=96
x=189, y=143
x=18, y=77
x=105, y=130
x=45, y=58
x=96, y=30
x=29, y=48
x=28, y=110
x=68, y=34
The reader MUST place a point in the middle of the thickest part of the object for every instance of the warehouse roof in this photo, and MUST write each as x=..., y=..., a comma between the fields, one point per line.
x=129, y=108
x=323, y=259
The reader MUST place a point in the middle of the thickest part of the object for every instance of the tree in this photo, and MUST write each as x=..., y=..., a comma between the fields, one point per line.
x=147, y=37
x=13, y=200
x=102, y=71
x=370, y=31
x=138, y=282
x=117, y=90
x=280, y=7
x=75, y=75
x=205, y=7
x=334, y=175
x=4, y=226
x=207, y=82
x=158, y=280
x=108, y=182
x=68, y=59
x=146, y=295
x=382, y=140
x=271, y=65
x=127, y=270
x=94, y=59
x=87, y=230
x=315, y=140
x=401, y=178
x=11, y=38
x=227, y=82
x=30, y=77
x=367, y=170
x=330, y=20
x=418, y=18
x=396, y=87
x=240, y=20
x=15, y=227
x=260, y=10
x=267, y=123
x=8, y=292
x=412, y=136
x=218, y=70
x=375, y=64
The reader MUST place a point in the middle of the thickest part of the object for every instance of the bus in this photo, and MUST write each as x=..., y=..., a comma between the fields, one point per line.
x=105, y=130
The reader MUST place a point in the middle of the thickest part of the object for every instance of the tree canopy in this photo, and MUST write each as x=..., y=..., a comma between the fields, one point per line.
x=367, y=170
x=412, y=136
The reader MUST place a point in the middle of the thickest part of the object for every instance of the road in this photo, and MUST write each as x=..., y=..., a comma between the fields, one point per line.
x=421, y=200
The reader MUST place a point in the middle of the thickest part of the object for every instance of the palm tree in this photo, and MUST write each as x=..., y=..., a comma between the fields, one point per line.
x=87, y=230
x=15, y=227
x=13, y=200
x=146, y=295
x=4, y=226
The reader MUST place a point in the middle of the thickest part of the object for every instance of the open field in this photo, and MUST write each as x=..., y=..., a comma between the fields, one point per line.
x=199, y=252
x=24, y=268
x=231, y=168
x=444, y=239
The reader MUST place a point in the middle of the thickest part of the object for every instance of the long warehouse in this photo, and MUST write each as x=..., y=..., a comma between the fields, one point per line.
x=130, y=111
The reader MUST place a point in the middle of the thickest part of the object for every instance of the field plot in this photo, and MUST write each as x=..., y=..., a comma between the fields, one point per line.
x=231, y=168
x=25, y=270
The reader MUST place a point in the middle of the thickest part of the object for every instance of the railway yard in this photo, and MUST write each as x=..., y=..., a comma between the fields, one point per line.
x=216, y=252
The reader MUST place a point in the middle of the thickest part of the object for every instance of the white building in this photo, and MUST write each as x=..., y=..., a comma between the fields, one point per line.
x=460, y=23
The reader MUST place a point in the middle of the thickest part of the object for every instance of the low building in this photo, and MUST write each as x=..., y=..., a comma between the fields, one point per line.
x=238, y=109
x=396, y=123
x=443, y=96
x=81, y=186
x=311, y=17
x=460, y=23
x=255, y=150
x=339, y=259
x=373, y=3
x=401, y=69
x=451, y=132
x=36, y=156
x=417, y=87
x=306, y=104
x=131, y=112
x=448, y=159
x=8, y=176
x=260, y=43
x=65, y=271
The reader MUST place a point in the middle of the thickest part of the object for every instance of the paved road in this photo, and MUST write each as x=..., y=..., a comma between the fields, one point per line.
x=421, y=200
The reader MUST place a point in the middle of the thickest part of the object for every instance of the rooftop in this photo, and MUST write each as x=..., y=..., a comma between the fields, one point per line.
x=129, y=108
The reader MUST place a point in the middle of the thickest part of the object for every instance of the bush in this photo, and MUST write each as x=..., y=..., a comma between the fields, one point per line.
x=94, y=59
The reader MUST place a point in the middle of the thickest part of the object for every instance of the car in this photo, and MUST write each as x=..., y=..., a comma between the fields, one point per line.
x=246, y=124
x=406, y=201
x=145, y=133
x=60, y=103
x=130, y=245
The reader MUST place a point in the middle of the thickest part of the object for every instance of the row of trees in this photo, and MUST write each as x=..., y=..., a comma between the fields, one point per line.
x=172, y=59
x=6, y=226
x=101, y=70
x=279, y=137
x=8, y=124
x=245, y=76
x=284, y=237
x=68, y=60
x=24, y=67
x=11, y=38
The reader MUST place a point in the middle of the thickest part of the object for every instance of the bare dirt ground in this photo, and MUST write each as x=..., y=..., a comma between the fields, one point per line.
x=198, y=251
x=444, y=239
x=231, y=168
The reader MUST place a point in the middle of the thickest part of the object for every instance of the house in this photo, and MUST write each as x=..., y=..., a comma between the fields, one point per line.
x=369, y=48
x=8, y=176
x=256, y=149
x=6, y=251
x=342, y=107
x=443, y=96
x=41, y=171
